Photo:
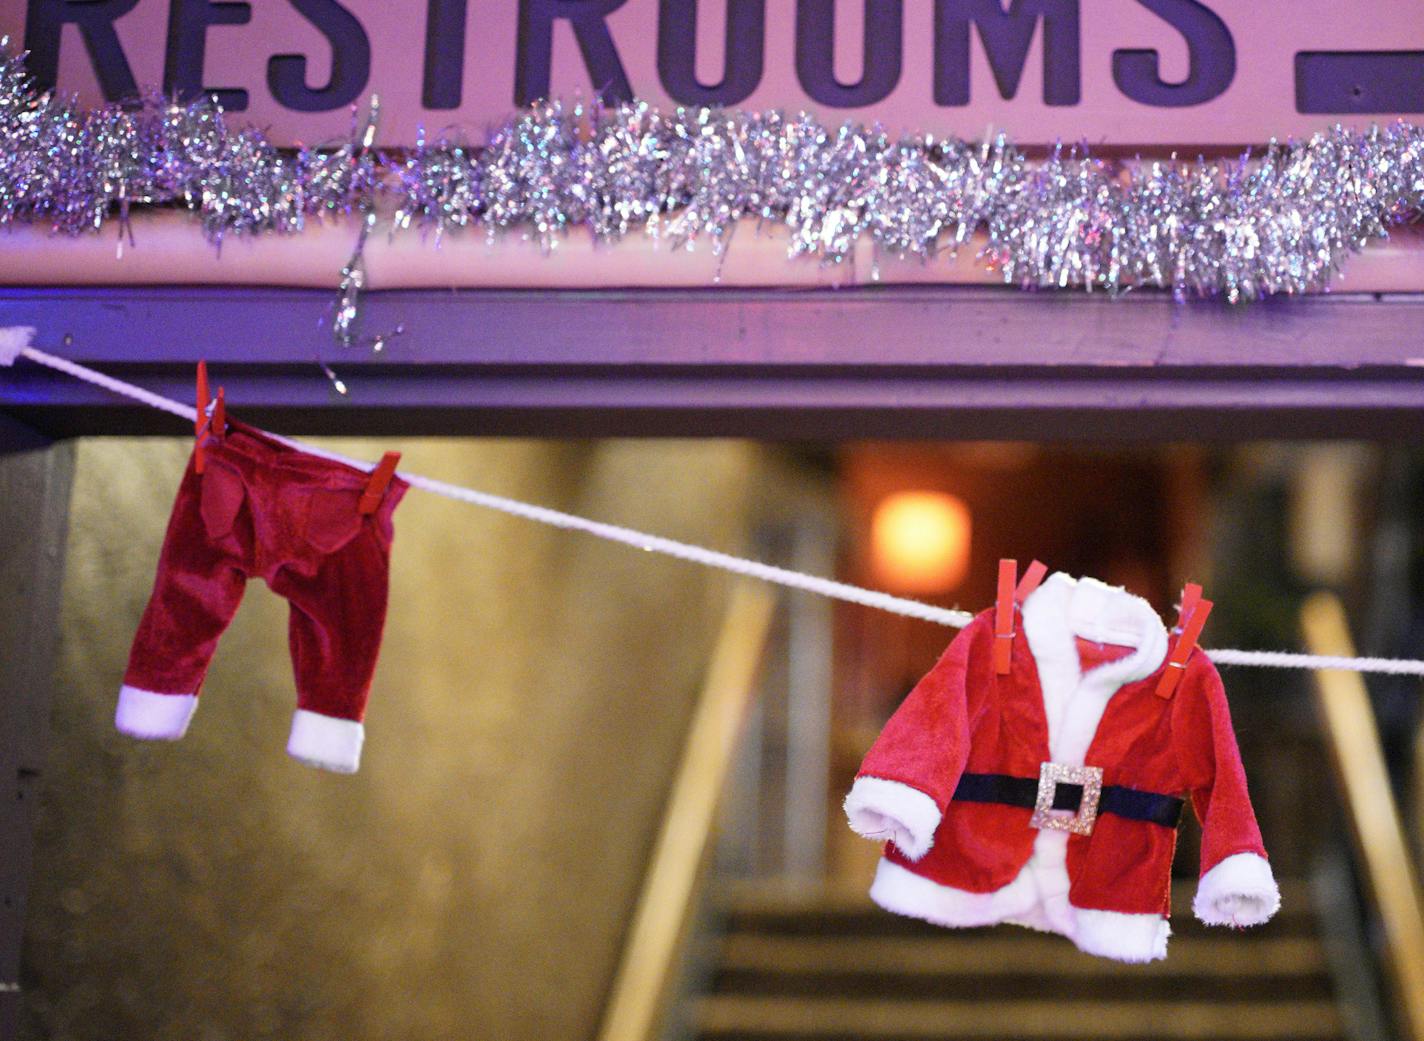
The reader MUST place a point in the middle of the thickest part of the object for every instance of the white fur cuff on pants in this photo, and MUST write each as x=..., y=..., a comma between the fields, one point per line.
x=153, y=716
x=326, y=742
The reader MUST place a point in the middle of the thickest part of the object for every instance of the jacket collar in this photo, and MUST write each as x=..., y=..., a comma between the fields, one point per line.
x=1064, y=608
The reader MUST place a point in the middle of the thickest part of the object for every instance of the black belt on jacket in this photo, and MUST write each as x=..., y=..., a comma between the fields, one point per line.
x=1131, y=803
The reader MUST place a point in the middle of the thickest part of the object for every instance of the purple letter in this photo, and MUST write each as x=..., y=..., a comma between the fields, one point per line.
x=1006, y=36
x=46, y=19
x=1211, y=55
x=677, y=52
x=816, y=52
x=350, y=61
x=188, y=22
x=533, y=62
x=444, y=54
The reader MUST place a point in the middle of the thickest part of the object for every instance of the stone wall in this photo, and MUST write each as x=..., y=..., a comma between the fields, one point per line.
x=474, y=879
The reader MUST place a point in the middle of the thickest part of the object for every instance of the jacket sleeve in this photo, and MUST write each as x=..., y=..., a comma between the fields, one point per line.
x=912, y=769
x=1237, y=887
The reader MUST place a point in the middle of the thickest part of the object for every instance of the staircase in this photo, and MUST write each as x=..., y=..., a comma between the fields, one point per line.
x=832, y=967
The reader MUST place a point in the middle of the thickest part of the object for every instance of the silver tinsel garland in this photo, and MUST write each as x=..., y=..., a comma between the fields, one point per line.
x=1279, y=221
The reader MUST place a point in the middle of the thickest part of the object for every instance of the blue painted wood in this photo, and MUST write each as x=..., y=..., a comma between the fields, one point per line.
x=943, y=362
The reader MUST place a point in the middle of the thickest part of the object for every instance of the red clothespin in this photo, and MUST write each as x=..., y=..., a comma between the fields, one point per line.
x=203, y=423
x=200, y=420
x=1032, y=579
x=1008, y=597
x=1182, y=650
x=379, y=482
x=1191, y=596
x=1004, y=616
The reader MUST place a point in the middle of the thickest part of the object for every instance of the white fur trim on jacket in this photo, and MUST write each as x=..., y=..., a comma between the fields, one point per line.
x=1107, y=934
x=1074, y=701
x=326, y=742
x=1126, y=937
x=153, y=716
x=881, y=809
x=1239, y=891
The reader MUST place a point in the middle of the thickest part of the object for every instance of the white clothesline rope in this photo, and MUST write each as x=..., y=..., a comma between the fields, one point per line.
x=15, y=342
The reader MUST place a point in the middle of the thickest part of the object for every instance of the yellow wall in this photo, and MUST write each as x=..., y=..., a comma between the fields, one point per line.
x=473, y=880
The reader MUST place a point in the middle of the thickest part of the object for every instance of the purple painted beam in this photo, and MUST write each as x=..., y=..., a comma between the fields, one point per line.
x=941, y=363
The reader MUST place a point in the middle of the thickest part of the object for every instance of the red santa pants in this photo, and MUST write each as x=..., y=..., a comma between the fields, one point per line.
x=264, y=509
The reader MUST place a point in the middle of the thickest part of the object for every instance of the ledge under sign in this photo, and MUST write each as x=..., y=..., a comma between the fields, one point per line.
x=951, y=362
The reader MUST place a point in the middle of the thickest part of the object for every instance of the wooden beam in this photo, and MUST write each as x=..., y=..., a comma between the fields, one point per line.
x=35, y=478
x=940, y=362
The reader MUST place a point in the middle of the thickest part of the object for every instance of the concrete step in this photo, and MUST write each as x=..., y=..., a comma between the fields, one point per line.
x=980, y=954
x=1004, y=963
x=1202, y=1018
x=777, y=909
x=797, y=965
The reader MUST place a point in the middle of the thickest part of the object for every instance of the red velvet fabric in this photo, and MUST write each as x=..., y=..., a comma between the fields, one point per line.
x=262, y=509
x=963, y=717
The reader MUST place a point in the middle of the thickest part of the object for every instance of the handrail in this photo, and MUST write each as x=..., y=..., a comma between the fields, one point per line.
x=1350, y=730
x=665, y=906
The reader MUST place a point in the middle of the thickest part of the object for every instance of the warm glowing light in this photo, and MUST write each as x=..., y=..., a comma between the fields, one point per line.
x=920, y=541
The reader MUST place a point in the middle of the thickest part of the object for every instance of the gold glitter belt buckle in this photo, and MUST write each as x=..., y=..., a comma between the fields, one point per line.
x=1050, y=776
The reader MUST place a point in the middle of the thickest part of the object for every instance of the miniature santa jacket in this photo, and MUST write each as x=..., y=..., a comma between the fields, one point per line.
x=960, y=855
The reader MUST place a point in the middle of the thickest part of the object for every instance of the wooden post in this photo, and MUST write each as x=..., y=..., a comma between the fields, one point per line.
x=35, y=477
x=646, y=972
x=1349, y=719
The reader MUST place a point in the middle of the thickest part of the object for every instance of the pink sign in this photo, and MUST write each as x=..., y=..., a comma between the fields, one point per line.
x=1120, y=72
